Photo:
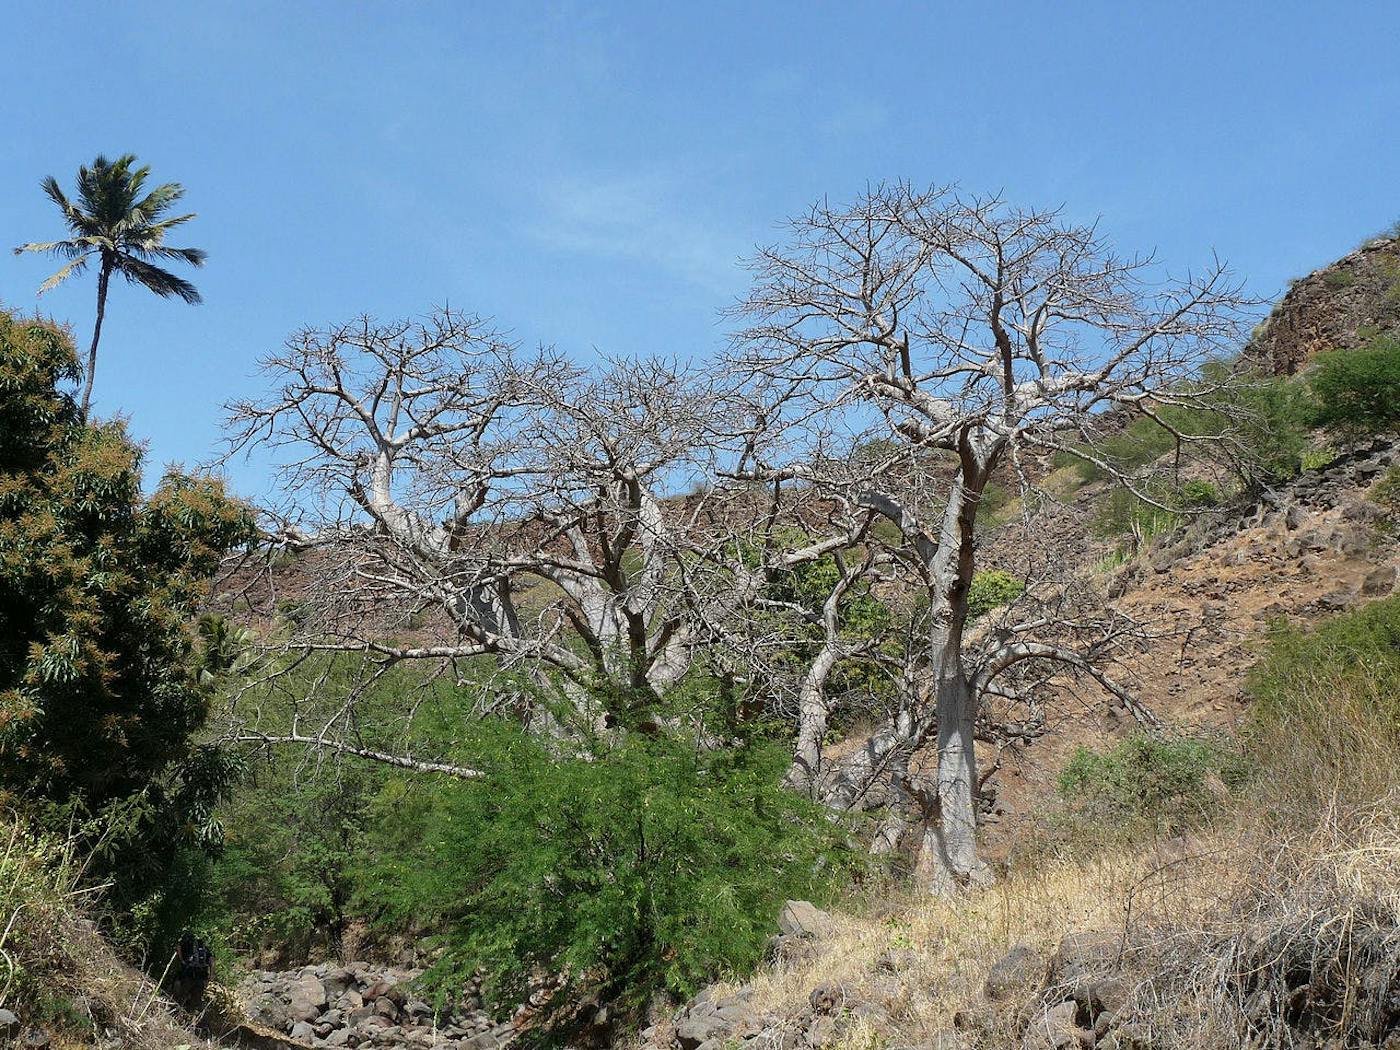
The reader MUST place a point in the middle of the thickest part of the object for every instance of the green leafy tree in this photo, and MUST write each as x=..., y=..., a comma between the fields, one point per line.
x=625, y=867
x=117, y=224
x=1358, y=391
x=100, y=672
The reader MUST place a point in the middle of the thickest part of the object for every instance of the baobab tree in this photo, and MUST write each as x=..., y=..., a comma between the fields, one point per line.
x=558, y=522
x=957, y=337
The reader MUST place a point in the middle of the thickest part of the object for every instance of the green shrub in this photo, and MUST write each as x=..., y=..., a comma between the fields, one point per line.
x=1386, y=491
x=990, y=590
x=1340, y=279
x=1153, y=783
x=1358, y=391
x=1198, y=494
x=1124, y=513
x=1317, y=458
x=1360, y=645
x=1260, y=422
x=627, y=867
x=1325, y=721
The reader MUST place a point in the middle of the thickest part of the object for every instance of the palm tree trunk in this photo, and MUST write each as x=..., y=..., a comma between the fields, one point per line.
x=102, y=279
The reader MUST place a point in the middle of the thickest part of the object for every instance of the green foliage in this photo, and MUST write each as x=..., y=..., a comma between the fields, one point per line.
x=1270, y=418
x=1345, y=650
x=629, y=866
x=990, y=590
x=1358, y=391
x=1124, y=513
x=1263, y=420
x=1148, y=782
x=1324, y=727
x=855, y=684
x=1141, y=442
x=122, y=225
x=1340, y=279
x=1198, y=494
x=100, y=689
x=1317, y=458
x=1386, y=491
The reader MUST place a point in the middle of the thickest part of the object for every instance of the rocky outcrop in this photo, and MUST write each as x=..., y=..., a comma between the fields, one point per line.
x=356, y=1005
x=1336, y=307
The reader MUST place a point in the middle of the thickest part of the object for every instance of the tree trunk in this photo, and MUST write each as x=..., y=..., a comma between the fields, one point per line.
x=102, y=278
x=811, y=723
x=948, y=855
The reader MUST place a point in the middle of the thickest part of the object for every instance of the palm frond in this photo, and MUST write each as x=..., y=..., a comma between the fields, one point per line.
x=193, y=256
x=164, y=283
x=158, y=201
x=77, y=266
x=63, y=249
x=71, y=214
x=171, y=223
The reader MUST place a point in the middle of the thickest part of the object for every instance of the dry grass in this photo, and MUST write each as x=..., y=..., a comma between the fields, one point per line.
x=1279, y=929
x=56, y=971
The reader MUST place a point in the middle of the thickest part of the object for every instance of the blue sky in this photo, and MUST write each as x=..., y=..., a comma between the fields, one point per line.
x=591, y=174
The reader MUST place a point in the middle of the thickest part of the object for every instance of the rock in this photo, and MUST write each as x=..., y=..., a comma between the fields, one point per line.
x=1379, y=581
x=803, y=919
x=1015, y=970
x=337, y=982
x=386, y=1007
x=1338, y=599
x=418, y=1008
x=826, y=998
x=897, y=960
x=706, y=1020
x=302, y=1009
x=9, y=1024
x=1085, y=968
x=343, y=1037
x=302, y=1032
x=36, y=1039
x=825, y=1030
x=1055, y=1029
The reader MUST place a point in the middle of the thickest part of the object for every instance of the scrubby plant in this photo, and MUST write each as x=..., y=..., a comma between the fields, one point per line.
x=1162, y=783
x=1358, y=391
x=1198, y=494
x=991, y=589
x=630, y=866
x=1317, y=458
x=1325, y=718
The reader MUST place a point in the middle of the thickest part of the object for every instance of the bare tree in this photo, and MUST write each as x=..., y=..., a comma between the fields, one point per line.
x=558, y=522
x=947, y=338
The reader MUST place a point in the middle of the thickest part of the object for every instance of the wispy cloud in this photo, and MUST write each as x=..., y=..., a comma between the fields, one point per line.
x=650, y=218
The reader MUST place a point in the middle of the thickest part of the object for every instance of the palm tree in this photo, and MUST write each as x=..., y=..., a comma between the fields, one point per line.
x=113, y=223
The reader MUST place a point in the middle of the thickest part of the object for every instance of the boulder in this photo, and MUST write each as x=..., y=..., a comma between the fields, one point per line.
x=1085, y=968
x=1055, y=1029
x=706, y=1020
x=1013, y=972
x=302, y=1032
x=1379, y=581
x=803, y=919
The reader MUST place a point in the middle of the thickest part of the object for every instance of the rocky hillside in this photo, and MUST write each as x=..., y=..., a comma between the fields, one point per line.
x=1338, y=307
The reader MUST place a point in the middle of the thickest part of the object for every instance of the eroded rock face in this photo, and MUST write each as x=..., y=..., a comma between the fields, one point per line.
x=360, y=1006
x=1336, y=307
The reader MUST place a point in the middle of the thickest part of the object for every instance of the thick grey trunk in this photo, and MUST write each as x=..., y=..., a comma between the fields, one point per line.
x=812, y=712
x=948, y=854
